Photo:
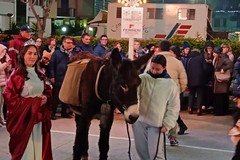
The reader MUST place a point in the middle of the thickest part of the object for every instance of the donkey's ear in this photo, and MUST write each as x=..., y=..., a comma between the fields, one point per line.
x=116, y=58
x=140, y=62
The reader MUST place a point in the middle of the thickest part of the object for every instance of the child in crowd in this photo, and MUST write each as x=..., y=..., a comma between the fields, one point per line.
x=5, y=66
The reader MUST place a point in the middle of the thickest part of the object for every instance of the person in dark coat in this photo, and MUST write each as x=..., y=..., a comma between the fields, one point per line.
x=196, y=80
x=236, y=78
x=101, y=49
x=84, y=45
x=57, y=71
x=208, y=90
x=185, y=53
x=220, y=89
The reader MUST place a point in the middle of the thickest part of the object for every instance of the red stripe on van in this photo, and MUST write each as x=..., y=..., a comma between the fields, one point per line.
x=160, y=35
x=182, y=31
x=179, y=36
x=185, y=26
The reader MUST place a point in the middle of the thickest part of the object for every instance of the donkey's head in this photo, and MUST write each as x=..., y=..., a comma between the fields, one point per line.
x=123, y=89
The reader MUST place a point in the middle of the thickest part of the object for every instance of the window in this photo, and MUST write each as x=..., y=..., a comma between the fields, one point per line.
x=154, y=13
x=39, y=2
x=186, y=14
x=119, y=12
x=238, y=23
x=217, y=22
x=224, y=22
x=191, y=14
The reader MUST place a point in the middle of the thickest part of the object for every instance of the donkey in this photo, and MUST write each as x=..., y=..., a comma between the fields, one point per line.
x=106, y=83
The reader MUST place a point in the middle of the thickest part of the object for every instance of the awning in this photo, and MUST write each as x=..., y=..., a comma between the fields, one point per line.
x=100, y=18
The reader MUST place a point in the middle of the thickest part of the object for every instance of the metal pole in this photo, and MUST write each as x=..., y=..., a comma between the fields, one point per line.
x=130, y=48
x=130, y=41
x=15, y=11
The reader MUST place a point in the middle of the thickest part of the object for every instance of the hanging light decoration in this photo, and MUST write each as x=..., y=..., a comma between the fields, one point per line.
x=132, y=3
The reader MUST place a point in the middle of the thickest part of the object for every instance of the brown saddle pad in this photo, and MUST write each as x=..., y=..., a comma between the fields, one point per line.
x=69, y=92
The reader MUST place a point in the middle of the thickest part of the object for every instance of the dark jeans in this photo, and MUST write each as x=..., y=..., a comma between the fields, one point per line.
x=208, y=96
x=191, y=98
x=56, y=102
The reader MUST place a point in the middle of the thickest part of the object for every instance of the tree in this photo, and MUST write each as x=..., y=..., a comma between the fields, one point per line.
x=41, y=21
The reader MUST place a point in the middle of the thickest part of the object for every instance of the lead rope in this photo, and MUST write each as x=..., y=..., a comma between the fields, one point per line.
x=164, y=143
x=129, y=142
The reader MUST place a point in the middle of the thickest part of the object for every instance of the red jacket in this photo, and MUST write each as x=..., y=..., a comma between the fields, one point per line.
x=23, y=113
x=15, y=47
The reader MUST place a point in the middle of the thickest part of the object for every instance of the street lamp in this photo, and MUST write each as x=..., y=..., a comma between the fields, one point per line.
x=64, y=29
x=131, y=3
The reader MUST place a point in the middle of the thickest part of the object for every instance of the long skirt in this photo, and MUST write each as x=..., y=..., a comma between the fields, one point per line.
x=33, y=150
x=220, y=104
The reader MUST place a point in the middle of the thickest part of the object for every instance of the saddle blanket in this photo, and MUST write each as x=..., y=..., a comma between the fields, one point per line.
x=69, y=92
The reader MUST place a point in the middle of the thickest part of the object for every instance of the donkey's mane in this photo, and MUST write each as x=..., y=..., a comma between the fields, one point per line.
x=85, y=55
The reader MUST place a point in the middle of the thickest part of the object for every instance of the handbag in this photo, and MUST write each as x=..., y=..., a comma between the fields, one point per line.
x=221, y=77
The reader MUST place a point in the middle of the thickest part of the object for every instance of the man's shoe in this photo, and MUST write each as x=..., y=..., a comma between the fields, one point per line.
x=190, y=110
x=182, y=130
x=173, y=141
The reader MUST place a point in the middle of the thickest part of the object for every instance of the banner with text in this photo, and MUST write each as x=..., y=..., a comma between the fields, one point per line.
x=132, y=21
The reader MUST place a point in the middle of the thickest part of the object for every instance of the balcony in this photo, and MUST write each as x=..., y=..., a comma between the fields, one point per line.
x=70, y=12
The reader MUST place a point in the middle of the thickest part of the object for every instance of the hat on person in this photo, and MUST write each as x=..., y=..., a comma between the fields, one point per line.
x=186, y=45
x=176, y=50
x=25, y=28
x=209, y=44
x=217, y=50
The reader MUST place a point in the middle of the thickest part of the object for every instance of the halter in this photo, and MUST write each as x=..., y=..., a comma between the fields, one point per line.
x=96, y=88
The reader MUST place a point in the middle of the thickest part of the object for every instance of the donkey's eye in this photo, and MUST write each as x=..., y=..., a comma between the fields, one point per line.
x=124, y=87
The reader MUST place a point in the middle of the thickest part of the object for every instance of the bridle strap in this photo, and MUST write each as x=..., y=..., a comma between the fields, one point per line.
x=96, y=83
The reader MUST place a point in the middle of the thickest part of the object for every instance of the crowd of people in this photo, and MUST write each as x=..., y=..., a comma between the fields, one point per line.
x=37, y=73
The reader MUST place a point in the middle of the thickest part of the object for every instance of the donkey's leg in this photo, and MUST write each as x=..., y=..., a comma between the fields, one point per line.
x=80, y=148
x=106, y=121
